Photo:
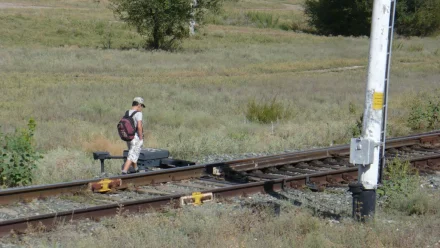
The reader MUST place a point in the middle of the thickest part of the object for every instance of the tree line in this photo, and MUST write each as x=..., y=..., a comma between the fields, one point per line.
x=164, y=23
x=353, y=17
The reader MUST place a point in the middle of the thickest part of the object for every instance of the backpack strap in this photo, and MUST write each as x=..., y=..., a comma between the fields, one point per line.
x=132, y=114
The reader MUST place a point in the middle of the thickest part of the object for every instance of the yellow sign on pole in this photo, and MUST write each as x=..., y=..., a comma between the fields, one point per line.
x=377, y=100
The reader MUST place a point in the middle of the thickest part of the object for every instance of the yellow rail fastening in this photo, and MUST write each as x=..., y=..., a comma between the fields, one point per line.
x=105, y=185
x=196, y=198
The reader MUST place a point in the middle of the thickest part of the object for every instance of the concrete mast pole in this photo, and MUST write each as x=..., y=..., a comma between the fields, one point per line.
x=366, y=151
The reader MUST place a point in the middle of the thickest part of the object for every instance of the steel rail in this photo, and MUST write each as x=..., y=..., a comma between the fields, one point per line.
x=47, y=221
x=140, y=179
x=95, y=213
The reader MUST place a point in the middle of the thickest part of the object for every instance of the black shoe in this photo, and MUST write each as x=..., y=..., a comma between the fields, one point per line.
x=123, y=173
x=131, y=170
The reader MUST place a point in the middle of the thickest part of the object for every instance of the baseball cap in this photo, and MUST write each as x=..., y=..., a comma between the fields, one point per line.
x=139, y=100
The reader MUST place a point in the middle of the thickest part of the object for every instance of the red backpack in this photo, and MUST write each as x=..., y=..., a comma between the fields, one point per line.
x=126, y=128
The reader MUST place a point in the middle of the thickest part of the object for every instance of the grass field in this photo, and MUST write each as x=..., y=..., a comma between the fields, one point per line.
x=75, y=69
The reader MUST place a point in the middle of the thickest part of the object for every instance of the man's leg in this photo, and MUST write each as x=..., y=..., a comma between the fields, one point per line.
x=128, y=162
x=133, y=154
x=126, y=166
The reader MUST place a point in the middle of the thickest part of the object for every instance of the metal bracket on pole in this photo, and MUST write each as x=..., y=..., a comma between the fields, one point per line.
x=362, y=151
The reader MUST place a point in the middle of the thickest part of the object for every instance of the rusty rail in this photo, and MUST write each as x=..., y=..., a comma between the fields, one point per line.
x=148, y=178
x=47, y=221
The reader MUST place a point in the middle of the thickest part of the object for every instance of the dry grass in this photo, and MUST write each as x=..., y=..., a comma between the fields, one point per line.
x=62, y=165
x=53, y=67
x=101, y=143
x=216, y=225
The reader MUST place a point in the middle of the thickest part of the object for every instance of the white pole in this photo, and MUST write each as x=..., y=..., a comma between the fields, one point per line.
x=366, y=151
x=192, y=22
x=372, y=126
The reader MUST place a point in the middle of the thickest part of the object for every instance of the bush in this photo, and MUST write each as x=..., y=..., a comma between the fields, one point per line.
x=343, y=17
x=400, y=181
x=353, y=17
x=266, y=112
x=401, y=187
x=355, y=129
x=18, y=157
x=425, y=112
x=417, y=17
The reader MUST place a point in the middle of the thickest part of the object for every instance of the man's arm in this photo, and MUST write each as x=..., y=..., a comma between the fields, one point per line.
x=140, y=130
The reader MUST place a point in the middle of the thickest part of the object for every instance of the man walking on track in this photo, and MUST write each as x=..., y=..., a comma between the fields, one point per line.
x=135, y=145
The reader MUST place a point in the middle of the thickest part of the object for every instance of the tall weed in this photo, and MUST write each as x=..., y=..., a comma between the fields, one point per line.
x=263, y=20
x=401, y=188
x=356, y=128
x=18, y=157
x=266, y=112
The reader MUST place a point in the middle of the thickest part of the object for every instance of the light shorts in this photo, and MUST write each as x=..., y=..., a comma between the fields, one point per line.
x=134, y=147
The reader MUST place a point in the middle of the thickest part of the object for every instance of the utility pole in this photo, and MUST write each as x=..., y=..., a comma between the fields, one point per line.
x=368, y=151
x=192, y=22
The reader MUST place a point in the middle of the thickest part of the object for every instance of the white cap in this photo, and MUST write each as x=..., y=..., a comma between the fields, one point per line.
x=139, y=100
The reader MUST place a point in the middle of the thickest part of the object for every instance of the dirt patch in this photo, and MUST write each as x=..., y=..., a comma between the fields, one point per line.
x=21, y=6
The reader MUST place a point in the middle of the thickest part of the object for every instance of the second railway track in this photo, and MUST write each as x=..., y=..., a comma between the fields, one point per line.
x=315, y=169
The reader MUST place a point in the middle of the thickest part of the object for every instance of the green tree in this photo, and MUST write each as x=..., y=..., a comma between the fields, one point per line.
x=353, y=17
x=163, y=23
x=417, y=17
x=340, y=17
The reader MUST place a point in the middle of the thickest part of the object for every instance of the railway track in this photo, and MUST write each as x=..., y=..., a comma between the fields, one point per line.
x=314, y=169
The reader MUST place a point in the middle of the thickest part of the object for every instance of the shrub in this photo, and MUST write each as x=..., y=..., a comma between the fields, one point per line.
x=18, y=157
x=400, y=181
x=425, y=112
x=355, y=129
x=353, y=17
x=402, y=190
x=266, y=112
x=344, y=17
x=417, y=17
